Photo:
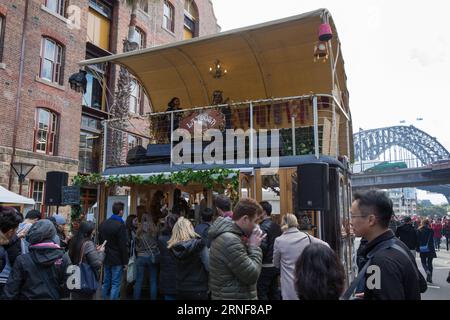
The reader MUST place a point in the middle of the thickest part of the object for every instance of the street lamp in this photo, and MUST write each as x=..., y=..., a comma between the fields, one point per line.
x=22, y=170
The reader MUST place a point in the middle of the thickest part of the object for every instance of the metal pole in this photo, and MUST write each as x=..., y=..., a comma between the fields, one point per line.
x=360, y=151
x=294, y=149
x=347, y=128
x=334, y=130
x=171, y=139
x=251, y=133
x=105, y=137
x=19, y=91
x=316, y=128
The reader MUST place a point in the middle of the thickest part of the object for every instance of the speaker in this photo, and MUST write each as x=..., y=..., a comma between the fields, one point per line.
x=137, y=155
x=158, y=153
x=313, y=186
x=53, y=187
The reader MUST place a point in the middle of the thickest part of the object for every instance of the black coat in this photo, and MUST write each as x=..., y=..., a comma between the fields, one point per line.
x=192, y=275
x=398, y=277
x=408, y=235
x=168, y=267
x=39, y=274
x=273, y=231
x=425, y=237
x=116, y=250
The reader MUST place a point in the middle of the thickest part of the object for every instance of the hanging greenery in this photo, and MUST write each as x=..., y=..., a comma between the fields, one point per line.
x=207, y=178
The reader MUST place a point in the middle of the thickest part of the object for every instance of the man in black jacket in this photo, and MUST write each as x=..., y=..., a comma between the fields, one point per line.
x=113, y=231
x=41, y=273
x=408, y=235
x=267, y=282
x=393, y=273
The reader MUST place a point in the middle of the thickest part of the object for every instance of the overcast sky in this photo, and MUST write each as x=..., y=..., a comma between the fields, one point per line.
x=396, y=54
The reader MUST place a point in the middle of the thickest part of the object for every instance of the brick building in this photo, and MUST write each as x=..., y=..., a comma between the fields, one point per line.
x=58, y=128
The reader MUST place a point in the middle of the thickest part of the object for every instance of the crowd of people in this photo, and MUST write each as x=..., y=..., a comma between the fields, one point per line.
x=233, y=253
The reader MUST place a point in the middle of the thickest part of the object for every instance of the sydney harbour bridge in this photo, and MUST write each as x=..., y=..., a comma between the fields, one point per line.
x=409, y=157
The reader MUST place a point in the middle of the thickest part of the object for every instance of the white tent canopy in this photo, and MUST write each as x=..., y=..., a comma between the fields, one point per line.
x=7, y=196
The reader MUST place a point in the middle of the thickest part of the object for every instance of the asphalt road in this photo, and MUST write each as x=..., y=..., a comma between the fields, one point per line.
x=440, y=288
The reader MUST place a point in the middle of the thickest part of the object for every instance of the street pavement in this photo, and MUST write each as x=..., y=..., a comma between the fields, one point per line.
x=440, y=288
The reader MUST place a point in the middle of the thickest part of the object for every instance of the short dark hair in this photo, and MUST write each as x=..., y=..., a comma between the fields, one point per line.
x=407, y=219
x=33, y=214
x=247, y=207
x=223, y=202
x=319, y=274
x=377, y=201
x=207, y=214
x=267, y=207
x=9, y=219
x=117, y=207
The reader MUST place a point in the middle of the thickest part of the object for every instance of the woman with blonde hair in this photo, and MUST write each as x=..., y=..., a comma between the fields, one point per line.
x=192, y=258
x=426, y=248
x=287, y=249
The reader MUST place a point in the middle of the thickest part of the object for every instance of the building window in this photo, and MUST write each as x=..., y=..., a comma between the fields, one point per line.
x=101, y=7
x=140, y=38
x=133, y=142
x=2, y=35
x=45, y=131
x=88, y=152
x=89, y=148
x=169, y=14
x=190, y=20
x=135, y=97
x=94, y=96
x=56, y=6
x=37, y=193
x=51, y=61
x=98, y=25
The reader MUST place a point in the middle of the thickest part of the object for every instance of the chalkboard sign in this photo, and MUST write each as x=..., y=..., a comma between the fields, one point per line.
x=70, y=195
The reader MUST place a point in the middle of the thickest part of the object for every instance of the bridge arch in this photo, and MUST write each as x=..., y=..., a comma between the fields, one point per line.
x=370, y=144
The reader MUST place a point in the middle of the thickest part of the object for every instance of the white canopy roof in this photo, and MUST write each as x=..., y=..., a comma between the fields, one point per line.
x=273, y=59
x=7, y=196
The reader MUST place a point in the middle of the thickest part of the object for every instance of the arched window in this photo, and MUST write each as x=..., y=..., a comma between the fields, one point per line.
x=169, y=16
x=190, y=19
x=52, y=54
x=45, y=131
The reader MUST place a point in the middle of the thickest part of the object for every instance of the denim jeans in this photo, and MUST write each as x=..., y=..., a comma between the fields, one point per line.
x=112, y=281
x=437, y=243
x=141, y=264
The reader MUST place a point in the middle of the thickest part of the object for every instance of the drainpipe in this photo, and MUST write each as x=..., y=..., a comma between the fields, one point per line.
x=19, y=92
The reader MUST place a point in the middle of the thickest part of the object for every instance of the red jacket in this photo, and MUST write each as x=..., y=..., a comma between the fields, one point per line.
x=437, y=229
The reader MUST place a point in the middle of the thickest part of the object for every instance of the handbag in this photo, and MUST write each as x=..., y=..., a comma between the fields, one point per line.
x=88, y=276
x=131, y=270
x=425, y=248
